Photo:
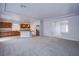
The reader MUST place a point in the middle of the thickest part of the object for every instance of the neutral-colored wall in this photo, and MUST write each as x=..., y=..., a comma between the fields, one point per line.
x=73, y=27
x=33, y=26
x=2, y=7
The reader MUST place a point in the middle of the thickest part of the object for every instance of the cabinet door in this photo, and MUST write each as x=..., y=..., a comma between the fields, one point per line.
x=5, y=25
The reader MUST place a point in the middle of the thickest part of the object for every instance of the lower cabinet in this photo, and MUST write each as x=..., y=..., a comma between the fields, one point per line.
x=9, y=33
x=26, y=34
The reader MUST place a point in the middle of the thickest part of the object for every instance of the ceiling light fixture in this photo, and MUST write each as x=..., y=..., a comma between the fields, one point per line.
x=23, y=6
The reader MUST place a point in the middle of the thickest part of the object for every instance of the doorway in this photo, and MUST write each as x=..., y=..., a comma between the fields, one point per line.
x=35, y=28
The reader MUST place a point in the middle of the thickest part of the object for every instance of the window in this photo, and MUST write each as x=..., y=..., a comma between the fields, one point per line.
x=64, y=26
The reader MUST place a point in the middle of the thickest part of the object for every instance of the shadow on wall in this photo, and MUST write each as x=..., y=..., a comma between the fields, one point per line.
x=74, y=8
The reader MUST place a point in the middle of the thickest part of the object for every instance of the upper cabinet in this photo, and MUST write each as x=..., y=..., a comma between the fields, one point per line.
x=25, y=25
x=5, y=25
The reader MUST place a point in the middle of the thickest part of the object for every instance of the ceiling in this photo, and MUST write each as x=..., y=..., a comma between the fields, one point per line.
x=31, y=11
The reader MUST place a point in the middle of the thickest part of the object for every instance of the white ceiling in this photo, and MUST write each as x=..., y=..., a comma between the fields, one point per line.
x=37, y=11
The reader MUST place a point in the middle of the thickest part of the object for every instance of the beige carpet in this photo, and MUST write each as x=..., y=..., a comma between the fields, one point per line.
x=38, y=46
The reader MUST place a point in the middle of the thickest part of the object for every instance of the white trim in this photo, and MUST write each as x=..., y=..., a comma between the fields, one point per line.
x=65, y=16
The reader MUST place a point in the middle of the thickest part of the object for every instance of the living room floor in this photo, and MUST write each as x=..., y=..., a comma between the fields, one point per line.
x=38, y=46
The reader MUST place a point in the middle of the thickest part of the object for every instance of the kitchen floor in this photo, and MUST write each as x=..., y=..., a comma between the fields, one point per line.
x=38, y=46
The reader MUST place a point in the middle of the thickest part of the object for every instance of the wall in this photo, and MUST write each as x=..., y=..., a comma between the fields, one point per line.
x=2, y=7
x=15, y=27
x=73, y=27
x=33, y=26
